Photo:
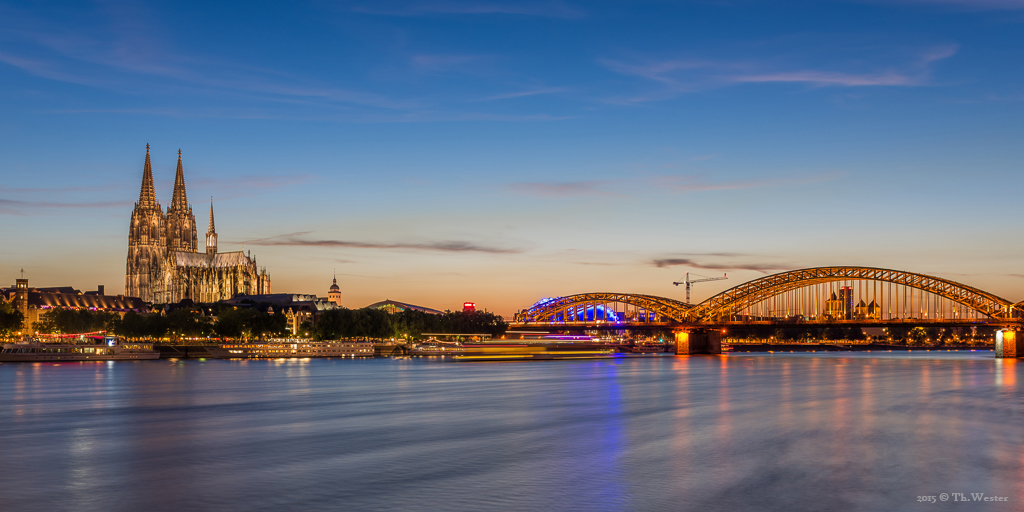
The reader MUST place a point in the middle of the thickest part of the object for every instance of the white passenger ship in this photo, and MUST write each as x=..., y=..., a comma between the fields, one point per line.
x=292, y=348
x=84, y=348
x=433, y=347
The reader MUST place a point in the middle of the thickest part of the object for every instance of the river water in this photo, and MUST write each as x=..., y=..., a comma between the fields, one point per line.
x=788, y=432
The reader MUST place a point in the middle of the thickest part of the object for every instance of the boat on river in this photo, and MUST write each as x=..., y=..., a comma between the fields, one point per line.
x=290, y=348
x=434, y=347
x=646, y=348
x=81, y=348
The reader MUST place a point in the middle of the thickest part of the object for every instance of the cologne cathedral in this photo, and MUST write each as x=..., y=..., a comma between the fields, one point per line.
x=164, y=264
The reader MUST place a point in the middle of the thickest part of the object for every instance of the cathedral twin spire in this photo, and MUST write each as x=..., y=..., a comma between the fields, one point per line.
x=179, y=222
x=179, y=201
x=163, y=264
x=147, y=196
x=179, y=209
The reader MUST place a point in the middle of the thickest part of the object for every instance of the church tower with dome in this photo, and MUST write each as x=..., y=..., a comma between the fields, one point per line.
x=335, y=294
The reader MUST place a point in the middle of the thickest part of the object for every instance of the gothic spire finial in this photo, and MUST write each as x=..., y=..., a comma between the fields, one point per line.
x=147, y=195
x=212, y=228
x=211, y=234
x=179, y=200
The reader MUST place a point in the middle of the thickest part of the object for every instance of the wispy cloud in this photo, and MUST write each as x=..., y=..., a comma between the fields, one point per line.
x=715, y=254
x=521, y=94
x=47, y=69
x=247, y=186
x=257, y=182
x=700, y=158
x=54, y=190
x=298, y=240
x=689, y=262
x=966, y=4
x=916, y=74
x=111, y=53
x=549, y=9
x=678, y=76
x=660, y=71
x=111, y=61
x=24, y=208
x=448, y=62
x=346, y=116
x=678, y=184
x=824, y=78
x=562, y=189
x=698, y=183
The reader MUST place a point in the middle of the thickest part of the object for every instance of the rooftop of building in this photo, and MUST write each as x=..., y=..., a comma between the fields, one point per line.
x=69, y=297
x=284, y=300
x=402, y=306
x=202, y=259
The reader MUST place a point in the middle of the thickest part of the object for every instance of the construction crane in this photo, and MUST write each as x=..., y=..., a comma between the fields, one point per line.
x=688, y=282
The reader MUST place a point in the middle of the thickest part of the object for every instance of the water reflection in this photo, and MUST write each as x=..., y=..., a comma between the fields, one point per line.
x=738, y=432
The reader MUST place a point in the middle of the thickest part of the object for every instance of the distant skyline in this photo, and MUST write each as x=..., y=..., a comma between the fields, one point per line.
x=436, y=152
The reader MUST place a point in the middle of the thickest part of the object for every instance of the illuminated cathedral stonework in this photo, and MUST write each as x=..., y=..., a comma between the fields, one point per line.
x=164, y=265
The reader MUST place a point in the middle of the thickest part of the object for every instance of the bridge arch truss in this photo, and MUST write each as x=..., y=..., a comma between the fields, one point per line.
x=885, y=289
x=608, y=307
x=824, y=294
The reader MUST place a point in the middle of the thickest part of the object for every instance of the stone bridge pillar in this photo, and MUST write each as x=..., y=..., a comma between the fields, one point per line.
x=1006, y=344
x=698, y=341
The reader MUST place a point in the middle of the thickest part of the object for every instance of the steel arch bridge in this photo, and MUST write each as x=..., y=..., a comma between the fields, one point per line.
x=576, y=308
x=946, y=300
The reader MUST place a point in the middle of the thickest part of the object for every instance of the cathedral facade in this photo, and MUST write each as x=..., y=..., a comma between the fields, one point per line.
x=164, y=263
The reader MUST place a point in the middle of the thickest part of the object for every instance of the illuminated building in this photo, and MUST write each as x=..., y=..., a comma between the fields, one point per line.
x=846, y=298
x=296, y=307
x=833, y=308
x=164, y=265
x=34, y=302
x=469, y=306
x=334, y=295
x=871, y=311
x=392, y=306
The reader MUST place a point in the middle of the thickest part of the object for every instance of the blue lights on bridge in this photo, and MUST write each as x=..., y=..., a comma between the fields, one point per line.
x=582, y=313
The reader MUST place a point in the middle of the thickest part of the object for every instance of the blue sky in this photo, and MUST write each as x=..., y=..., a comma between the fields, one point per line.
x=441, y=151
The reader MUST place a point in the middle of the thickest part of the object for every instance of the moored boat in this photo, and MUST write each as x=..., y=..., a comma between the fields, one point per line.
x=82, y=348
x=434, y=347
x=291, y=348
x=647, y=348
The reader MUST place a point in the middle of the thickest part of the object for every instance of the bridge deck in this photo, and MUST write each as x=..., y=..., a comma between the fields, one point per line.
x=959, y=322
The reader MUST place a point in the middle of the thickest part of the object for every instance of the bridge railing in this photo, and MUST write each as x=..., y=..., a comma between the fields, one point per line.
x=820, y=295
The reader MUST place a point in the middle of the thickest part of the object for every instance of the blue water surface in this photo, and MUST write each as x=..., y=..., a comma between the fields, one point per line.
x=787, y=432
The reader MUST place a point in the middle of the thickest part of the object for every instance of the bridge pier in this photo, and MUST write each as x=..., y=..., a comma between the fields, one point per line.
x=698, y=341
x=1007, y=344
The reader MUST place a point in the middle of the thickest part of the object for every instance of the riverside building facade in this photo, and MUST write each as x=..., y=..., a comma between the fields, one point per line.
x=35, y=302
x=164, y=264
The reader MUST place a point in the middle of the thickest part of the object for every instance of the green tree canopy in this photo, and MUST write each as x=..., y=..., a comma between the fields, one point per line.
x=377, y=323
x=249, y=323
x=11, y=319
x=135, y=325
x=73, y=321
x=189, y=322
